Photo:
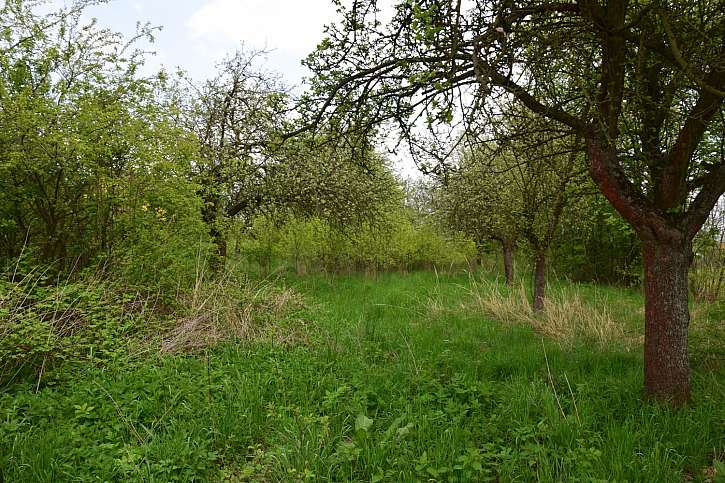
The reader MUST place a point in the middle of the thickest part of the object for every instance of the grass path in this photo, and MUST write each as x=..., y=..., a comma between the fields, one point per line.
x=396, y=382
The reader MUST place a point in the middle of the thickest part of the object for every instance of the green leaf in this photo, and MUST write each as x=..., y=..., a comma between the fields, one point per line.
x=363, y=423
x=404, y=431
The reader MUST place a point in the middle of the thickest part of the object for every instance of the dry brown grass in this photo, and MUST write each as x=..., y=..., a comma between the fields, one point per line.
x=235, y=310
x=566, y=317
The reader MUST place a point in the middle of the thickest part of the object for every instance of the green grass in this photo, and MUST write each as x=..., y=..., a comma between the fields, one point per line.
x=397, y=382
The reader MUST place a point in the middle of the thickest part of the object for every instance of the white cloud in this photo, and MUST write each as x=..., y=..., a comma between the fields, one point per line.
x=293, y=26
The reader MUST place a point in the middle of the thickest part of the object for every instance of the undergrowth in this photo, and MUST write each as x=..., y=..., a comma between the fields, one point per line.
x=566, y=317
x=48, y=323
x=45, y=324
x=392, y=378
x=234, y=308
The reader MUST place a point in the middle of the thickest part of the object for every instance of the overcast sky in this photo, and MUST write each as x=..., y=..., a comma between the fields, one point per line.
x=197, y=34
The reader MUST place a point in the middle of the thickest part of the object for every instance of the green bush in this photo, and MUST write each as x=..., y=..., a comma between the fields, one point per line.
x=167, y=245
x=397, y=242
x=43, y=325
x=596, y=244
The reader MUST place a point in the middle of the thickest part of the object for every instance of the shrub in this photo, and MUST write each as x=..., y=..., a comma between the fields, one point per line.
x=394, y=243
x=43, y=325
x=165, y=242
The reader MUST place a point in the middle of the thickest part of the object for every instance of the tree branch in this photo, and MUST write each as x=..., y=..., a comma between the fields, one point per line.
x=705, y=200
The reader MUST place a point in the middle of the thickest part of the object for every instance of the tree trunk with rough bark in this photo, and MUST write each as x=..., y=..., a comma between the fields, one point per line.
x=210, y=214
x=667, y=255
x=221, y=244
x=508, y=261
x=539, y=280
x=666, y=361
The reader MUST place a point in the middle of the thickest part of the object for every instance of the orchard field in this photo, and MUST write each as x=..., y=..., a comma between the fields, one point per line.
x=391, y=378
x=406, y=240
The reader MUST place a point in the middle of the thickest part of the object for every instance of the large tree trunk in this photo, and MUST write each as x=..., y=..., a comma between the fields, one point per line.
x=539, y=280
x=666, y=362
x=221, y=244
x=210, y=214
x=667, y=255
x=479, y=256
x=508, y=261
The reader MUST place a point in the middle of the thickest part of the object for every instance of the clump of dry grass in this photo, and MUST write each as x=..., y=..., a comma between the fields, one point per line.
x=234, y=309
x=566, y=317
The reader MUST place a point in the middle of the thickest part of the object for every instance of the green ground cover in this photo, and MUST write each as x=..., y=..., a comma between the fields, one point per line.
x=398, y=378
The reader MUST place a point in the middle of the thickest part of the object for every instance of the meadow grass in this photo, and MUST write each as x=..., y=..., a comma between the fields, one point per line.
x=401, y=378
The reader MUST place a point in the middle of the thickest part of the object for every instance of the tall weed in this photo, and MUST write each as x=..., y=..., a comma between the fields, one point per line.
x=232, y=307
x=566, y=317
